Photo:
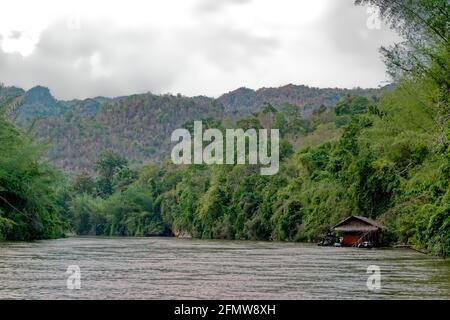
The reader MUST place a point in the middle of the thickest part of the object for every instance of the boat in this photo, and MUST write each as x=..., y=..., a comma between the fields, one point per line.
x=365, y=244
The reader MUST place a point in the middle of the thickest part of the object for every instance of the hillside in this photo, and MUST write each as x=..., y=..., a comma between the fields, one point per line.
x=308, y=98
x=139, y=126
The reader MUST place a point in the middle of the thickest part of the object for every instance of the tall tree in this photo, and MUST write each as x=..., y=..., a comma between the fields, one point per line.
x=28, y=206
x=108, y=164
x=424, y=24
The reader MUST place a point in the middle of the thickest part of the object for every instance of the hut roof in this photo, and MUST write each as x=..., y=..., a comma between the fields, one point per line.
x=357, y=224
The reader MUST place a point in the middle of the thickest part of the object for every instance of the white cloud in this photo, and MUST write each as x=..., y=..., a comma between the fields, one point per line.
x=88, y=48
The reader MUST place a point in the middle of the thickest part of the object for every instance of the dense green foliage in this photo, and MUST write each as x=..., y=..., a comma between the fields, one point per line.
x=388, y=159
x=139, y=126
x=382, y=161
x=28, y=195
x=384, y=157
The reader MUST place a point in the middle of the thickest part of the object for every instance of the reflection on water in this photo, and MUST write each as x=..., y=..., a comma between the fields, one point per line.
x=169, y=268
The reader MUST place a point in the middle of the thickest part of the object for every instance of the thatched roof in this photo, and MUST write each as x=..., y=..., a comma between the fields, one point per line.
x=357, y=224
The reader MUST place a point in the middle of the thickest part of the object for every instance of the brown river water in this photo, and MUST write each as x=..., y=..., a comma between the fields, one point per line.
x=170, y=268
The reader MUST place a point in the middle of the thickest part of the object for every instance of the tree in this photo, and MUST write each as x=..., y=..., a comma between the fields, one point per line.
x=268, y=108
x=295, y=123
x=424, y=25
x=123, y=178
x=28, y=204
x=84, y=184
x=108, y=164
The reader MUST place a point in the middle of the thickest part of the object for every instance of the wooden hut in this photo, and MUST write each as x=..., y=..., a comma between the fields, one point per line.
x=356, y=229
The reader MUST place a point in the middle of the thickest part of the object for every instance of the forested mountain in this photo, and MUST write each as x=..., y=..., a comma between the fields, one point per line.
x=38, y=102
x=139, y=126
x=385, y=157
x=308, y=98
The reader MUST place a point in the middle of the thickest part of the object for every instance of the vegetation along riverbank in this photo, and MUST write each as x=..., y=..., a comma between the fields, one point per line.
x=382, y=154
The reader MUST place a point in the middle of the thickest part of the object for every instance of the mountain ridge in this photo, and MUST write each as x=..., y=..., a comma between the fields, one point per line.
x=241, y=97
x=139, y=126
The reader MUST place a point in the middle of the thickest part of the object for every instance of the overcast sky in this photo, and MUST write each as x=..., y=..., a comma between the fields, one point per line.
x=82, y=48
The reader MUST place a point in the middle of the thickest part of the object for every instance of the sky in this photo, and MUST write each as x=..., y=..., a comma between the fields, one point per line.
x=82, y=48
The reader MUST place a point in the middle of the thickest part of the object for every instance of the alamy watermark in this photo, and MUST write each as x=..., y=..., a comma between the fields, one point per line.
x=190, y=151
x=74, y=280
x=373, y=22
x=374, y=280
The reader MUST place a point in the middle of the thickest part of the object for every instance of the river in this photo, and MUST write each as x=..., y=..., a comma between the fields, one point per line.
x=170, y=268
